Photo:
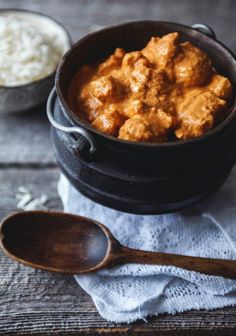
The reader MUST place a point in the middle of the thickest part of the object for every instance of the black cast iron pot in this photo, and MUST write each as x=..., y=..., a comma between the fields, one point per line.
x=142, y=178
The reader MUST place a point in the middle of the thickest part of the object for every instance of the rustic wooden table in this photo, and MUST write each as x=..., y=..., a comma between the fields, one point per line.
x=37, y=303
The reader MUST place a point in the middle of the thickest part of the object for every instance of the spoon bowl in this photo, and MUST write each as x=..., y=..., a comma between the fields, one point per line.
x=51, y=240
x=65, y=243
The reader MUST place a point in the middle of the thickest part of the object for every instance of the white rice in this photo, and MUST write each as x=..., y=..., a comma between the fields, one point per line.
x=26, y=54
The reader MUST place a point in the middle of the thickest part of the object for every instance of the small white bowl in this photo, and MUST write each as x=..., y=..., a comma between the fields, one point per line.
x=24, y=97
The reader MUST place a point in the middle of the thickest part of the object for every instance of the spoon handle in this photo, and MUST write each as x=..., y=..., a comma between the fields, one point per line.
x=210, y=266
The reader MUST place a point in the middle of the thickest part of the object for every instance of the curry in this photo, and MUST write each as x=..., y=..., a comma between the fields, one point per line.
x=167, y=91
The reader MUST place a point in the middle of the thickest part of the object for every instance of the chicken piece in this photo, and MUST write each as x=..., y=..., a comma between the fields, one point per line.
x=221, y=87
x=136, y=71
x=135, y=129
x=130, y=59
x=197, y=113
x=151, y=126
x=161, y=51
x=91, y=107
x=106, y=89
x=133, y=107
x=113, y=62
x=192, y=66
x=109, y=122
x=103, y=90
x=139, y=77
x=148, y=83
x=160, y=123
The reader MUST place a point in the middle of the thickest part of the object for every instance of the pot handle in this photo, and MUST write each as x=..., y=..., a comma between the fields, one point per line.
x=205, y=29
x=80, y=144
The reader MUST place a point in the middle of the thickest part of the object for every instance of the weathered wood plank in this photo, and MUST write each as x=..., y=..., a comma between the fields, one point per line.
x=78, y=323
x=34, y=302
x=24, y=138
x=42, y=181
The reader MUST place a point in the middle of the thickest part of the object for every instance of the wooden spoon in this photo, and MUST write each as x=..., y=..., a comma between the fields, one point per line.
x=66, y=243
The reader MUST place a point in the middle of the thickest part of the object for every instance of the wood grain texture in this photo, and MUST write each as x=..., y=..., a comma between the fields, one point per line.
x=58, y=242
x=37, y=303
x=24, y=139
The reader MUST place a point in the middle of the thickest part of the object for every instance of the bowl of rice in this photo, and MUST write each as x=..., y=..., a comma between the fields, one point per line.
x=31, y=48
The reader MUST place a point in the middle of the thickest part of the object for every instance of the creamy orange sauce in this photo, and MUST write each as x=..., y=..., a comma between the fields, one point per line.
x=165, y=91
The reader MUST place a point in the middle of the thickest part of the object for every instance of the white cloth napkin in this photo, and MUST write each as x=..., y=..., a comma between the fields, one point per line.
x=130, y=292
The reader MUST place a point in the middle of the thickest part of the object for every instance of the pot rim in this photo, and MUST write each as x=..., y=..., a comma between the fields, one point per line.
x=67, y=34
x=78, y=121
